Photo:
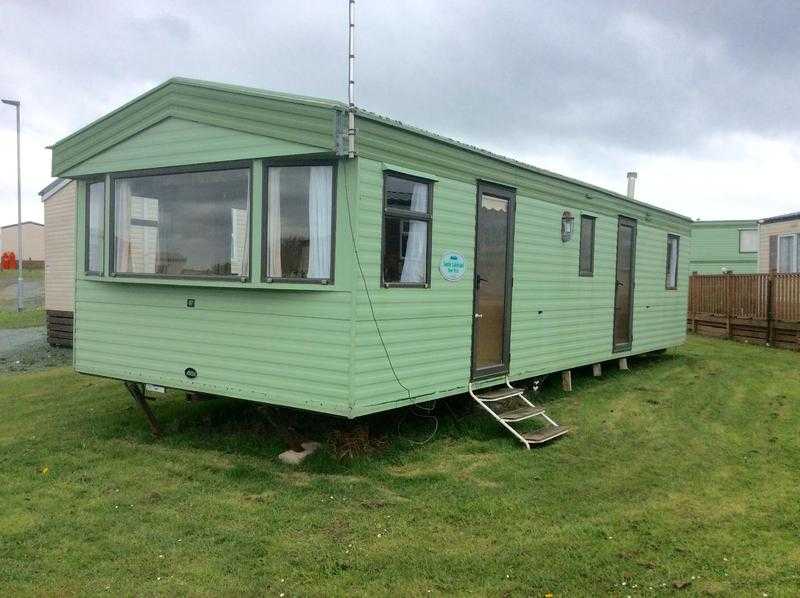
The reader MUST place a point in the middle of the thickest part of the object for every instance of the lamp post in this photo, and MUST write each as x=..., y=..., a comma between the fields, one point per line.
x=15, y=103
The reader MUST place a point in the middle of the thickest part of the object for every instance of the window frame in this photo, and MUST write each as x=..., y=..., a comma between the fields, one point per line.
x=677, y=261
x=289, y=163
x=407, y=215
x=795, y=254
x=581, y=271
x=87, y=226
x=742, y=230
x=193, y=168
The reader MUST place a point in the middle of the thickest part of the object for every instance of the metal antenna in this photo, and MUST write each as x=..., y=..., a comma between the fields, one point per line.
x=351, y=84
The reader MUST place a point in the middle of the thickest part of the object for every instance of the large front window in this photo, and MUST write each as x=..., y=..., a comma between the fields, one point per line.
x=299, y=223
x=192, y=224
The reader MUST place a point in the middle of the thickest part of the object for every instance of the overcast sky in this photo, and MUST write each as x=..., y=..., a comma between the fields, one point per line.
x=701, y=98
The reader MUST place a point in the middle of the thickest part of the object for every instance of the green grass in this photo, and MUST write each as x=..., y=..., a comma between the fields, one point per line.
x=10, y=276
x=685, y=470
x=22, y=319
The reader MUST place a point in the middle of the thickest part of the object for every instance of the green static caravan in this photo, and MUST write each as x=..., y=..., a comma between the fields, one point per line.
x=227, y=244
x=720, y=246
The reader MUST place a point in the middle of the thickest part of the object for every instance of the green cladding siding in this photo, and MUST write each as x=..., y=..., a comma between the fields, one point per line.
x=329, y=348
x=559, y=319
x=715, y=245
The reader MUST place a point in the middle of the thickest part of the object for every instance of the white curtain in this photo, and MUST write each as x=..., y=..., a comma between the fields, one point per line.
x=96, y=226
x=417, y=246
x=274, y=223
x=319, y=221
x=238, y=241
x=122, y=200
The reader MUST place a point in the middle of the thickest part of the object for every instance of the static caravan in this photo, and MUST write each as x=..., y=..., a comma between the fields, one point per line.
x=779, y=244
x=230, y=243
x=724, y=246
x=59, y=259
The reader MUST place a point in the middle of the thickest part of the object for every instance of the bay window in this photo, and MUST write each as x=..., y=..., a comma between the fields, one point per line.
x=182, y=223
x=298, y=223
x=95, y=226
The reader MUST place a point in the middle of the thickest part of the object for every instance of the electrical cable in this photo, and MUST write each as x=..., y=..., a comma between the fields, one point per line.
x=366, y=290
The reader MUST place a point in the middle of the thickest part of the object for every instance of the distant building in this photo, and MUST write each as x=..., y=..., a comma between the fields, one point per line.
x=59, y=274
x=779, y=243
x=724, y=246
x=32, y=242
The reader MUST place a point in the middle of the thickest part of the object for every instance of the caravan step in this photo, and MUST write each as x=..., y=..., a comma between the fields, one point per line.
x=518, y=414
x=545, y=434
x=500, y=393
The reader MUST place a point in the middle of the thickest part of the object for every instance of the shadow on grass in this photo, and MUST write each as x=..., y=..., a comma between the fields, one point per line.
x=236, y=427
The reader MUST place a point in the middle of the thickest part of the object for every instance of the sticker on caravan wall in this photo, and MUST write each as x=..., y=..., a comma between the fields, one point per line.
x=452, y=266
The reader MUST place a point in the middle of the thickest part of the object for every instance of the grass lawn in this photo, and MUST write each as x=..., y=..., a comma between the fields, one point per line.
x=33, y=283
x=22, y=319
x=684, y=471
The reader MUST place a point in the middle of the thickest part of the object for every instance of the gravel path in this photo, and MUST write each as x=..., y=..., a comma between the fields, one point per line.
x=26, y=349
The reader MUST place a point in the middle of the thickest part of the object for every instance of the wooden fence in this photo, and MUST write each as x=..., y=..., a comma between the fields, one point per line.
x=760, y=308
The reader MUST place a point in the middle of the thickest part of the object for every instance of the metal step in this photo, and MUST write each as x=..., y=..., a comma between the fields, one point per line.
x=545, y=434
x=499, y=393
x=517, y=414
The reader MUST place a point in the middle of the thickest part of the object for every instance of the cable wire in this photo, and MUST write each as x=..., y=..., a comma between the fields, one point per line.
x=366, y=290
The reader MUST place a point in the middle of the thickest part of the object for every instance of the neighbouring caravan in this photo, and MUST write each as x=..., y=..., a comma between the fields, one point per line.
x=720, y=246
x=228, y=244
x=59, y=259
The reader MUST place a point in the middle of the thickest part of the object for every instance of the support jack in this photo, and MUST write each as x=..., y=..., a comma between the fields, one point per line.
x=137, y=392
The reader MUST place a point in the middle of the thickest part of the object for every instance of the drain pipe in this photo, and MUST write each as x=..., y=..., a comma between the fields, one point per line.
x=631, y=184
x=351, y=84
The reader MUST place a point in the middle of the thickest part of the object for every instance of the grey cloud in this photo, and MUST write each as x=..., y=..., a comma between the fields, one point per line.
x=602, y=77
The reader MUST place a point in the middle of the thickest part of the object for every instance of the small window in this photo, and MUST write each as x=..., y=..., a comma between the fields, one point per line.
x=748, y=240
x=406, y=231
x=673, y=242
x=299, y=223
x=95, y=226
x=586, y=259
x=788, y=253
x=182, y=224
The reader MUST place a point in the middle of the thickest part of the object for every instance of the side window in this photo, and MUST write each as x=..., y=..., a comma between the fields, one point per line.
x=406, y=231
x=673, y=243
x=788, y=253
x=748, y=240
x=95, y=226
x=586, y=258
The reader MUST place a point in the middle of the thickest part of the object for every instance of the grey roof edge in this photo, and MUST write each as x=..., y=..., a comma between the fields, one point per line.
x=251, y=91
x=781, y=218
x=23, y=222
x=54, y=187
x=751, y=222
x=337, y=105
x=519, y=164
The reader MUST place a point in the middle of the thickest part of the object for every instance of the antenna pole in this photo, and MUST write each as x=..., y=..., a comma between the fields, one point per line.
x=351, y=84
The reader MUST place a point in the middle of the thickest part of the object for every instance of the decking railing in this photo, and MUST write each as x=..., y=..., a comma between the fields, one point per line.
x=752, y=307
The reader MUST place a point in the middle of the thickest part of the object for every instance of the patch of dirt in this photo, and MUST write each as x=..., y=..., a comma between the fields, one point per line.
x=26, y=349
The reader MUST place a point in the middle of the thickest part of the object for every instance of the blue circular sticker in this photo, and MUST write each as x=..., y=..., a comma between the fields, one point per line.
x=452, y=266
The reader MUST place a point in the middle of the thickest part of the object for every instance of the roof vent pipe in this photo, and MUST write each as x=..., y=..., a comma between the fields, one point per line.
x=351, y=84
x=631, y=184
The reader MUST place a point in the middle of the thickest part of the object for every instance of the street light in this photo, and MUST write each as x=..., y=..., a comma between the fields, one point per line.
x=15, y=103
